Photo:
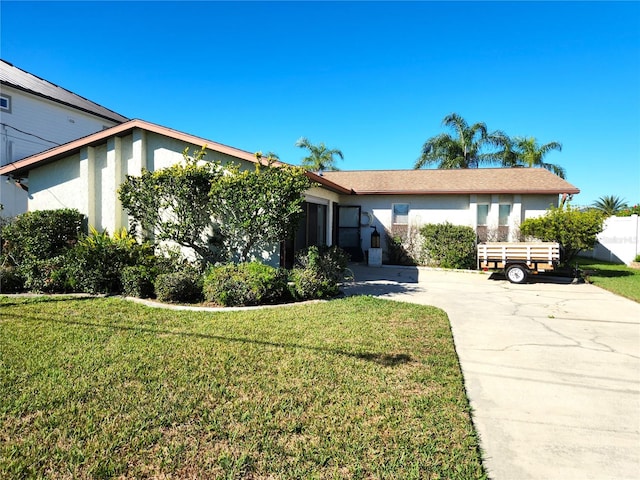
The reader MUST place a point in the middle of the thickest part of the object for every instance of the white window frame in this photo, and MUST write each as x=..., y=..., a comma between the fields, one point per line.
x=5, y=99
x=506, y=223
x=486, y=221
x=394, y=215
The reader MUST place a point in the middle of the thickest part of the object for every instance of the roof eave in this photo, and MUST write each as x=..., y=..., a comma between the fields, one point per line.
x=24, y=165
x=314, y=177
x=469, y=192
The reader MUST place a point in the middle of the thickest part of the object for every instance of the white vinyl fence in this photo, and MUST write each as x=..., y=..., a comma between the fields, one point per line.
x=619, y=242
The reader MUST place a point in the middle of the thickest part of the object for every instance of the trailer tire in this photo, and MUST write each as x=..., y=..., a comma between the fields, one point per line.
x=517, y=273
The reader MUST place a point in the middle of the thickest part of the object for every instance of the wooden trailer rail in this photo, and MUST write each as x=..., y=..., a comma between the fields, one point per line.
x=520, y=257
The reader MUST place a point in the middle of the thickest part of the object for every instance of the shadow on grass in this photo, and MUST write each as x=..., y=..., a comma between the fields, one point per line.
x=15, y=299
x=384, y=359
x=597, y=272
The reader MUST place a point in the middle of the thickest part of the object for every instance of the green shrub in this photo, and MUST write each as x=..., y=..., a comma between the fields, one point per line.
x=137, y=281
x=97, y=260
x=252, y=283
x=184, y=286
x=49, y=275
x=627, y=212
x=449, y=246
x=318, y=272
x=41, y=234
x=10, y=280
x=574, y=229
x=308, y=284
x=637, y=259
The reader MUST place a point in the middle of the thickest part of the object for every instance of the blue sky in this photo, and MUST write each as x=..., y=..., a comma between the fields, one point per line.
x=373, y=79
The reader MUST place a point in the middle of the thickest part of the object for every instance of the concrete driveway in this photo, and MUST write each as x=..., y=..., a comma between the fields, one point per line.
x=552, y=371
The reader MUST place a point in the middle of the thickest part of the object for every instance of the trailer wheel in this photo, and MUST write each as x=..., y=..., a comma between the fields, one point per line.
x=517, y=273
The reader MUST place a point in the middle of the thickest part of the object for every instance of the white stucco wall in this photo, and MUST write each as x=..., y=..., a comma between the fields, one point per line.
x=422, y=209
x=89, y=180
x=455, y=209
x=537, y=205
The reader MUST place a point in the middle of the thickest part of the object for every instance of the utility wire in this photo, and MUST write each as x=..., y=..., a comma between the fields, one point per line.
x=27, y=133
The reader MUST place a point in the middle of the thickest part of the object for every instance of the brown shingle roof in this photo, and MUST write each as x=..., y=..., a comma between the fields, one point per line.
x=459, y=181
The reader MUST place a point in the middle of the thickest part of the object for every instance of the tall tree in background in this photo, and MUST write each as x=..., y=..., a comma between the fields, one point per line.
x=609, y=205
x=529, y=153
x=463, y=150
x=320, y=157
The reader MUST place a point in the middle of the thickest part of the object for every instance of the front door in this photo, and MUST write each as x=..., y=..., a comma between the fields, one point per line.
x=349, y=232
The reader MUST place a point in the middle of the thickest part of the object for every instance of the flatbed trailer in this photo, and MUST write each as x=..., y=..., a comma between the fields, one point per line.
x=518, y=259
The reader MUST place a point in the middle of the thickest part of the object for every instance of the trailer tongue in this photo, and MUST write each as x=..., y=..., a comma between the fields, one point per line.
x=518, y=259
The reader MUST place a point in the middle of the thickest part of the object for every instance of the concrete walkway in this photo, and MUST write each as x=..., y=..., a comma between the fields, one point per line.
x=552, y=370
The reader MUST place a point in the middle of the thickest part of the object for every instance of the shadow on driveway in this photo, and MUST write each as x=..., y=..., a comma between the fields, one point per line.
x=542, y=278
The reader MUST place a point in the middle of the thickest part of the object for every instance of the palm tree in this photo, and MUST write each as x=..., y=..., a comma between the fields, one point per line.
x=464, y=150
x=526, y=152
x=609, y=205
x=320, y=158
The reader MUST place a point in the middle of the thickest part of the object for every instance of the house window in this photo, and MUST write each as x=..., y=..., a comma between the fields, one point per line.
x=400, y=213
x=503, y=215
x=483, y=214
x=5, y=103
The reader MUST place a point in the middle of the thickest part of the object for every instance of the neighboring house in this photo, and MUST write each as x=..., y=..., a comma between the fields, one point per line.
x=85, y=174
x=36, y=115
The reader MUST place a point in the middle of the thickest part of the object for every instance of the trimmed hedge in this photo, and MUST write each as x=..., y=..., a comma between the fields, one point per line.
x=318, y=272
x=179, y=287
x=252, y=283
x=449, y=246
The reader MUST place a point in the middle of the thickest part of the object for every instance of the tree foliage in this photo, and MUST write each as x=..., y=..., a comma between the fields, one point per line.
x=320, y=157
x=575, y=230
x=258, y=208
x=174, y=204
x=527, y=152
x=471, y=146
x=465, y=149
x=610, y=205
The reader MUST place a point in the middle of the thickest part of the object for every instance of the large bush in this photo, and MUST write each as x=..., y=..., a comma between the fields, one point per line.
x=449, y=246
x=97, y=260
x=252, y=283
x=183, y=286
x=138, y=280
x=573, y=229
x=35, y=245
x=41, y=234
x=10, y=279
x=318, y=272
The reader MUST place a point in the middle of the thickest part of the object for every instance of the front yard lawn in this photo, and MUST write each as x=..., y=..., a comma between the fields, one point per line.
x=614, y=277
x=352, y=388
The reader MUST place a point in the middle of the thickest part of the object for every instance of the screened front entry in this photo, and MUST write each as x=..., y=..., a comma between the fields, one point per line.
x=349, y=232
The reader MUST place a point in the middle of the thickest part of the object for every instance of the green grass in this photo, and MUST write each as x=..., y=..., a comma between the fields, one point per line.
x=616, y=278
x=352, y=388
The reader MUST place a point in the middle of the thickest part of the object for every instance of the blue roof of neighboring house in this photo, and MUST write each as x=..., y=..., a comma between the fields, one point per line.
x=15, y=77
